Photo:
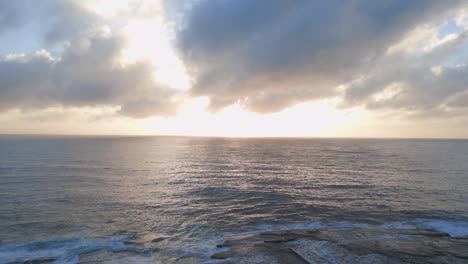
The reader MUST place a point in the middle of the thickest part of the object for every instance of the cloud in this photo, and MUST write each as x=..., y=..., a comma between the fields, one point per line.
x=54, y=20
x=421, y=83
x=88, y=74
x=69, y=20
x=268, y=55
x=265, y=55
x=87, y=71
x=9, y=16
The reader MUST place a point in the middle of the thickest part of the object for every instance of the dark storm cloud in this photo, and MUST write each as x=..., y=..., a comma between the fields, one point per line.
x=270, y=54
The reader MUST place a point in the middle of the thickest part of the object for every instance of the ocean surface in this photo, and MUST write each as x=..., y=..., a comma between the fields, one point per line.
x=168, y=199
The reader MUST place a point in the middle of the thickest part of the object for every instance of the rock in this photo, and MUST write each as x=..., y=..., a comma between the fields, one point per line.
x=151, y=238
x=159, y=239
x=346, y=246
x=38, y=260
x=223, y=254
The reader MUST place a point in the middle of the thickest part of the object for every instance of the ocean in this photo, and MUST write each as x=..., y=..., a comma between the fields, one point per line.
x=67, y=199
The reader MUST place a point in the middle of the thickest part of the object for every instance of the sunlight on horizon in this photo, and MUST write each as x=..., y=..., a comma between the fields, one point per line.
x=151, y=67
x=319, y=118
x=202, y=131
x=307, y=119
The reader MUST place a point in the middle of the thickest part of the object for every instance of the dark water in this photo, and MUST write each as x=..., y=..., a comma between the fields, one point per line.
x=106, y=198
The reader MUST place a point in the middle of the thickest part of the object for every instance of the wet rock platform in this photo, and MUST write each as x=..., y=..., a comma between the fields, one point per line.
x=389, y=246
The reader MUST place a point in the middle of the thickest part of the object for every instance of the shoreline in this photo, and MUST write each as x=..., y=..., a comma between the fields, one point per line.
x=355, y=245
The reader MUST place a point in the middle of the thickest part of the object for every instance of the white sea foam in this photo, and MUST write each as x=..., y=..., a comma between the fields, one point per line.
x=452, y=228
x=69, y=250
x=331, y=253
x=133, y=260
x=64, y=251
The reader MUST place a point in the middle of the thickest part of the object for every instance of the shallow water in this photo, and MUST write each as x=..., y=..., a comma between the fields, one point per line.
x=158, y=199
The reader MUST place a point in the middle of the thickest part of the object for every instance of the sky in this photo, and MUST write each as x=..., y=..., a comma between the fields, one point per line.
x=236, y=68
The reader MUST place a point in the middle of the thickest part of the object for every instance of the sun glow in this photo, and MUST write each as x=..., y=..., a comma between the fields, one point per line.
x=149, y=39
x=308, y=119
x=126, y=8
x=107, y=8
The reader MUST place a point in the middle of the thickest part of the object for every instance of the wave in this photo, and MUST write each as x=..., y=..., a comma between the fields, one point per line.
x=450, y=227
x=123, y=249
x=65, y=250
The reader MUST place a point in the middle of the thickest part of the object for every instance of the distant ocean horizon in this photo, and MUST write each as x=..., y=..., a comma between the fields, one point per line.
x=45, y=135
x=162, y=199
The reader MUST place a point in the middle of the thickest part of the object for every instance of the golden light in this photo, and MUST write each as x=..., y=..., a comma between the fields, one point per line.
x=149, y=39
x=308, y=119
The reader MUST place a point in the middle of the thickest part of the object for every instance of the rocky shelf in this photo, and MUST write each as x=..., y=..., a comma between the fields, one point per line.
x=345, y=246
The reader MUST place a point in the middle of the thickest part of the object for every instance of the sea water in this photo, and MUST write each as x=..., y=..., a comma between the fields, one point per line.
x=167, y=199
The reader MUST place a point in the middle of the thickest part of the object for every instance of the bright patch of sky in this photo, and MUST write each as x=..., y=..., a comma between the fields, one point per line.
x=184, y=55
x=452, y=28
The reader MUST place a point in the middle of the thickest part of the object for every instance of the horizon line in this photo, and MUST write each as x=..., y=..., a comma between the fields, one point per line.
x=226, y=137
